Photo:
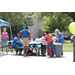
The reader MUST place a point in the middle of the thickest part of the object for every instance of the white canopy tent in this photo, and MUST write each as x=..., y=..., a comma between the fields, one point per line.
x=5, y=23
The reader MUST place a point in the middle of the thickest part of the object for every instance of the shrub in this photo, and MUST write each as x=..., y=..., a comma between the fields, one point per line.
x=66, y=37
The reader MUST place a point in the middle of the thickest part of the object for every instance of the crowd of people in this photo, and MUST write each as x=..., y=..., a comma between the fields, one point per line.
x=23, y=37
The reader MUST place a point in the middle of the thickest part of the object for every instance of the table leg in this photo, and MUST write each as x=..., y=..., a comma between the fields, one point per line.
x=38, y=52
x=32, y=50
x=41, y=50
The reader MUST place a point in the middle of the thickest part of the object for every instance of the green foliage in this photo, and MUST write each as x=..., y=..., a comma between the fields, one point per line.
x=18, y=20
x=66, y=37
x=41, y=15
x=71, y=14
x=54, y=20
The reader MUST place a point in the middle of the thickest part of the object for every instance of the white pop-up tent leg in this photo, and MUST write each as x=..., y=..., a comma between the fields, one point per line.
x=11, y=33
x=0, y=33
x=0, y=37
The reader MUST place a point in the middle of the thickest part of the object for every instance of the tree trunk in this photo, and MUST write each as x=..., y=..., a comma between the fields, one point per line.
x=73, y=17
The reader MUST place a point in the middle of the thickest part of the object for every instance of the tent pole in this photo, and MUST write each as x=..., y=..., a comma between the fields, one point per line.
x=11, y=32
x=0, y=33
x=0, y=37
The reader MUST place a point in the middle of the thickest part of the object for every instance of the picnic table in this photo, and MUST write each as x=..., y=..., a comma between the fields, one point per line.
x=57, y=47
x=35, y=48
x=35, y=42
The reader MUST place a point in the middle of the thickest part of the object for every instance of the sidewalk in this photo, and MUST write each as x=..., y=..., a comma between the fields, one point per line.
x=67, y=57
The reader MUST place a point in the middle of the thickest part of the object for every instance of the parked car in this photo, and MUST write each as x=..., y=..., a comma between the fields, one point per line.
x=54, y=36
x=71, y=38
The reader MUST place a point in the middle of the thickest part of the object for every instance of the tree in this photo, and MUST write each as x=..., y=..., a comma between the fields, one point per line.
x=54, y=20
x=41, y=15
x=72, y=15
x=18, y=20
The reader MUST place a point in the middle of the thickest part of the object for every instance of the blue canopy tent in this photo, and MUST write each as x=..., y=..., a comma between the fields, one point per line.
x=4, y=23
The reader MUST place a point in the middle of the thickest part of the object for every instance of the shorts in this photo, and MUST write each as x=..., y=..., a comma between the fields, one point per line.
x=25, y=42
x=43, y=47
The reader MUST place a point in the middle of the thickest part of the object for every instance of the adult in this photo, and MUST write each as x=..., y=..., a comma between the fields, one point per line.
x=26, y=38
x=60, y=39
x=4, y=38
x=17, y=42
x=49, y=40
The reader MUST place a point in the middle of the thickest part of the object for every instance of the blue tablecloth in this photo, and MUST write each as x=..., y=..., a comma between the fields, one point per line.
x=36, y=43
x=39, y=43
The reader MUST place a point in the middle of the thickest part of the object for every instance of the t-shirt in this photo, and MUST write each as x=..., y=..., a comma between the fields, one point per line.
x=25, y=33
x=15, y=41
x=34, y=45
x=4, y=34
x=60, y=40
x=49, y=38
x=44, y=42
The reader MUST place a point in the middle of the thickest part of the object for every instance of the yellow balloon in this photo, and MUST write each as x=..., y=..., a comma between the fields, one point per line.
x=72, y=28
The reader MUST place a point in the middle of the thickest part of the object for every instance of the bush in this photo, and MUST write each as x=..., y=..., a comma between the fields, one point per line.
x=66, y=37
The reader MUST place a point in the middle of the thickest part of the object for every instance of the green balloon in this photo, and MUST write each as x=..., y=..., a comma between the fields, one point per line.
x=72, y=28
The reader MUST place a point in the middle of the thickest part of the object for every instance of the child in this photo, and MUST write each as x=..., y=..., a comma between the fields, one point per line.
x=44, y=44
x=48, y=37
x=34, y=45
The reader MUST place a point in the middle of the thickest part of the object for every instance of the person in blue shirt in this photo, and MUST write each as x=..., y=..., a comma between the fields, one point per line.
x=59, y=38
x=17, y=42
x=26, y=38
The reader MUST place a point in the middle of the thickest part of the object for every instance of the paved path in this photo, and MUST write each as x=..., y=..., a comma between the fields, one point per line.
x=68, y=57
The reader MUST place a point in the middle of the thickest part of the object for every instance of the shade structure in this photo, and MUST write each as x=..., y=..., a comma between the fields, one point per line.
x=4, y=23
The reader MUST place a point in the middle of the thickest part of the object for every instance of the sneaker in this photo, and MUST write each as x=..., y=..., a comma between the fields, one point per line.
x=2, y=50
x=48, y=56
x=54, y=55
x=44, y=55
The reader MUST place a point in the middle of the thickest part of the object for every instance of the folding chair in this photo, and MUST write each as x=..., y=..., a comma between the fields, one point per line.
x=10, y=47
x=2, y=47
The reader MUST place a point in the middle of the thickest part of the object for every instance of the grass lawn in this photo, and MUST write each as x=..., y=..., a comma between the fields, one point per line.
x=68, y=47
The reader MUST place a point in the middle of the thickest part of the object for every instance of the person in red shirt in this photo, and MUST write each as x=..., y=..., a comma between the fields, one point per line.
x=49, y=40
